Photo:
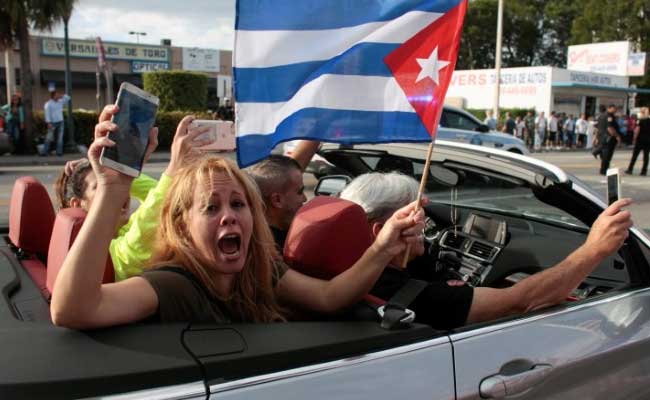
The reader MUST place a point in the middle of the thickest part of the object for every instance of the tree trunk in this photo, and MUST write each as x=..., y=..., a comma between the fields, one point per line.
x=26, y=84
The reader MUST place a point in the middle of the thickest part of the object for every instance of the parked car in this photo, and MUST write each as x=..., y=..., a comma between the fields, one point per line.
x=460, y=126
x=595, y=345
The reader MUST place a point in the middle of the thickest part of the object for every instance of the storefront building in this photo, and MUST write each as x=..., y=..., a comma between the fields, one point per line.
x=127, y=61
x=542, y=88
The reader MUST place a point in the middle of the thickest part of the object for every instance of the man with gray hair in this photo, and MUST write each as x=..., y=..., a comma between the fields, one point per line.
x=279, y=179
x=446, y=305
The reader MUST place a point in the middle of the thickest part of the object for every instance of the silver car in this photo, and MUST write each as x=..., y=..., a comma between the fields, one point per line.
x=593, y=346
x=457, y=125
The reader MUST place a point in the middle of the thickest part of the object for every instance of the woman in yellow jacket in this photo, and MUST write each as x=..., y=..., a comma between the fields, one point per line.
x=135, y=238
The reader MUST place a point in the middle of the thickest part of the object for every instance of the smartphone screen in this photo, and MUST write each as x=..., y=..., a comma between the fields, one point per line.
x=612, y=188
x=134, y=120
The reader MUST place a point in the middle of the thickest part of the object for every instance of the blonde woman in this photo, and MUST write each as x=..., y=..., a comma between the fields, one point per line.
x=215, y=259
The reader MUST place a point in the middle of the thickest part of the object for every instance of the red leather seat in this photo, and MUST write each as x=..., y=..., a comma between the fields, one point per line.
x=66, y=227
x=31, y=217
x=327, y=236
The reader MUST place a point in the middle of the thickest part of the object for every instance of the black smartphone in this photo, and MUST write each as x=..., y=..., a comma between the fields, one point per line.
x=135, y=118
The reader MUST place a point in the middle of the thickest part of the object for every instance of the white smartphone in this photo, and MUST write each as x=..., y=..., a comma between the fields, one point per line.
x=135, y=118
x=221, y=133
x=613, y=185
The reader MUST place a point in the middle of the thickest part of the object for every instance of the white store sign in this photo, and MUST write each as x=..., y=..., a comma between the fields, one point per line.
x=205, y=60
x=607, y=58
x=528, y=87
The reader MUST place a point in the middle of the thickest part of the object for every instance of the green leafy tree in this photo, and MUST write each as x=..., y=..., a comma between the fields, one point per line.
x=16, y=18
x=614, y=21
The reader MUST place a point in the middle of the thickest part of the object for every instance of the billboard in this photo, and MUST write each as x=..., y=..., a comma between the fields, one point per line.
x=205, y=60
x=606, y=58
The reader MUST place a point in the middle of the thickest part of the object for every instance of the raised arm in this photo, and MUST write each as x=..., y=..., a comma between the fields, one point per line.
x=554, y=285
x=136, y=241
x=79, y=299
x=304, y=152
x=342, y=291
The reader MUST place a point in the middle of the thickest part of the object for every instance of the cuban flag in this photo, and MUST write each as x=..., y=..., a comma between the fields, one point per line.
x=343, y=71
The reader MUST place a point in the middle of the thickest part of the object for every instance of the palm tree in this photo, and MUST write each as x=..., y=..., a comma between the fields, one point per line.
x=16, y=18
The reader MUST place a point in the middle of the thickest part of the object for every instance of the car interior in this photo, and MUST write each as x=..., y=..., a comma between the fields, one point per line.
x=484, y=227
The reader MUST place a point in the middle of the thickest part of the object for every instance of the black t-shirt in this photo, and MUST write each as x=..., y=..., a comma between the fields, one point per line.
x=602, y=126
x=644, y=131
x=439, y=305
x=511, y=126
x=280, y=236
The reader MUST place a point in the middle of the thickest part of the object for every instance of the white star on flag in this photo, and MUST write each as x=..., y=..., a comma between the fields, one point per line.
x=431, y=66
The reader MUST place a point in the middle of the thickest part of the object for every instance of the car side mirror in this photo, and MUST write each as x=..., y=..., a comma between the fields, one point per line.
x=483, y=128
x=331, y=185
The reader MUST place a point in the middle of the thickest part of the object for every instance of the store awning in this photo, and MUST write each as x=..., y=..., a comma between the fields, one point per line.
x=78, y=78
x=599, y=87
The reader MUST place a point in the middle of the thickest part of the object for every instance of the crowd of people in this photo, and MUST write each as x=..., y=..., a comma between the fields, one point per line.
x=206, y=244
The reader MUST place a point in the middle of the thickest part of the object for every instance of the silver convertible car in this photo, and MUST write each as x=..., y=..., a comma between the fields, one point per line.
x=593, y=346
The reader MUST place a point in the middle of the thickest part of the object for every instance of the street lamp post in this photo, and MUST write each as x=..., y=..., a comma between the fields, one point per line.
x=70, y=143
x=137, y=35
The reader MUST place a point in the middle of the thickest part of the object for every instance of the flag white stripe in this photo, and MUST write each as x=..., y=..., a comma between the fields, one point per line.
x=260, y=49
x=338, y=92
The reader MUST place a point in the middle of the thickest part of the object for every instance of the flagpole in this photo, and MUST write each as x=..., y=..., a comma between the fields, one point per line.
x=423, y=184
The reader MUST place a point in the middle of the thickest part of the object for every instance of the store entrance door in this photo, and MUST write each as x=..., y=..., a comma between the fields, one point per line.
x=590, y=106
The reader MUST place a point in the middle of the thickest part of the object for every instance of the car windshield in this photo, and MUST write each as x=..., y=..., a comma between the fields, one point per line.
x=484, y=190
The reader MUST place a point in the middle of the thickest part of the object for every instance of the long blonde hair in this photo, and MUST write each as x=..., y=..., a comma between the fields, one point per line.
x=252, y=298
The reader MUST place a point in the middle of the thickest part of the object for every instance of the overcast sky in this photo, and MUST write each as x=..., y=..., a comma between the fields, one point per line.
x=188, y=23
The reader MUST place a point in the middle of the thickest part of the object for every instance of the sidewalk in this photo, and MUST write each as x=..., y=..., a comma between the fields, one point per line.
x=35, y=160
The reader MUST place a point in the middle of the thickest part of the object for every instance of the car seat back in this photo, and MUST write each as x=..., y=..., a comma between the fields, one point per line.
x=66, y=227
x=31, y=217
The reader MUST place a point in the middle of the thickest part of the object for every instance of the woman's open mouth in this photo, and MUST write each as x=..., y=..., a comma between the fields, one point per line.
x=229, y=245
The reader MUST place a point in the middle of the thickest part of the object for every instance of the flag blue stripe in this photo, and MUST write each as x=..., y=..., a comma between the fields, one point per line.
x=273, y=84
x=331, y=14
x=337, y=126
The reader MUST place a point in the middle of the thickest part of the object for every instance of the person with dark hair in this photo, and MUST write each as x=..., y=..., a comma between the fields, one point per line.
x=641, y=142
x=608, y=137
x=279, y=179
x=14, y=115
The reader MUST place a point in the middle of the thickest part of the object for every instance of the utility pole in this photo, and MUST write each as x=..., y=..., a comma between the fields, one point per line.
x=497, y=61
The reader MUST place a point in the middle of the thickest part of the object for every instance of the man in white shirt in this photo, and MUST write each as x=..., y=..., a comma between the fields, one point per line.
x=54, y=119
x=581, y=130
x=490, y=121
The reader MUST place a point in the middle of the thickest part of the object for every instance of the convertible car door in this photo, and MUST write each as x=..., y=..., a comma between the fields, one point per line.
x=324, y=360
x=596, y=350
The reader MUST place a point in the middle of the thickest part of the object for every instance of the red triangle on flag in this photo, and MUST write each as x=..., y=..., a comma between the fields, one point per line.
x=424, y=64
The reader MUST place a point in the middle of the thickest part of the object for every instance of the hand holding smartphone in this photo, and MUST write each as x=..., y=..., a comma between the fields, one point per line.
x=613, y=185
x=135, y=118
x=221, y=134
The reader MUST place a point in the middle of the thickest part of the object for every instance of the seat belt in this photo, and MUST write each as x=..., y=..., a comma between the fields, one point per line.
x=395, y=312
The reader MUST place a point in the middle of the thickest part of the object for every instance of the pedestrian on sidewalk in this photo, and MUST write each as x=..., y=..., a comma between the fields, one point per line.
x=54, y=119
x=552, y=130
x=641, y=142
x=529, y=133
x=569, y=131
x=581, y=130
x=490, y=121
x=540, y=131
x=14, y=115
x=609, y=137
x=510, y=126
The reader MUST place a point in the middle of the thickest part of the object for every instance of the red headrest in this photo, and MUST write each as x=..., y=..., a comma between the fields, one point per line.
x=31, y=216
x=327, y=236
x=66, y=227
